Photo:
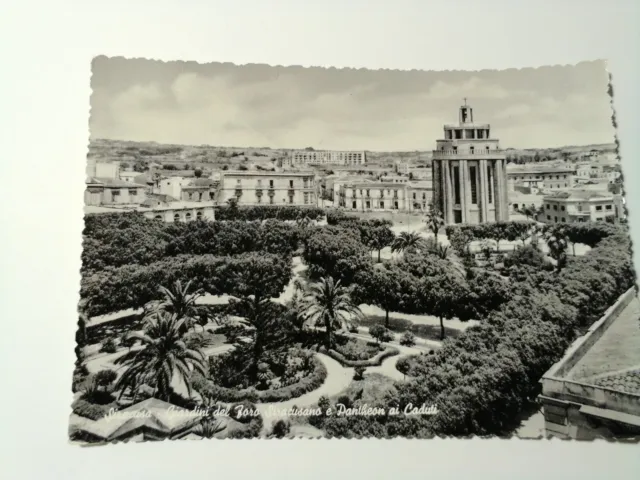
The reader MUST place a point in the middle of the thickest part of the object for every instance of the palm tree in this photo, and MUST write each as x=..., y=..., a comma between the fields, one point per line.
x=181, y=303
x=164, y=355
x=329, y=303
x=406, y=241
x=434, y=220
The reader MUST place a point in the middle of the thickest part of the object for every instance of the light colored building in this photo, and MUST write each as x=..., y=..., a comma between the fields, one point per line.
x=403, y=168
x=594, y=390
x=113, y=191
x=373, y=196
x=129, y=176
x=598, y=171
x=200, y=190
x=172, y=185
x=518, y=201
x=469, y=174
x=541, y=177
x=324, y=157
x=581, y=206
x=420, y=195
x=168, y=212
x=268, y=188
x=103, y=169
x=394, y=179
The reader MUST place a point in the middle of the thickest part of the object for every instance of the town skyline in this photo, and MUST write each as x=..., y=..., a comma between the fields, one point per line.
x=331, y=109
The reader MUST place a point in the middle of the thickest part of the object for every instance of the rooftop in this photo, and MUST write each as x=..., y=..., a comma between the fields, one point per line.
x=538, y=169
x=616, y=354
x=259, y=173
x=579, y=195
x=111, y=182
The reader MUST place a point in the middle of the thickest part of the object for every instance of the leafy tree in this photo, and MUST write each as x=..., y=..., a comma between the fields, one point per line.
x=104, y=378
x=408, y=339
x=380, y=333
x=434, y=220
x=377, y=238
x=385, y=287
x=197, y=173
x=329, y=303
x=164, y=356
x=558, y=249
x=442, y=294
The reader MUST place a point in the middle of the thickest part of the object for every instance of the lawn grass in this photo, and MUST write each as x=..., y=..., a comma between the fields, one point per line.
x=401, y=325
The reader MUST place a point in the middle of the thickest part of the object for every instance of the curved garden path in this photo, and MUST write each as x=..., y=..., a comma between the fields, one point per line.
x=338, y=379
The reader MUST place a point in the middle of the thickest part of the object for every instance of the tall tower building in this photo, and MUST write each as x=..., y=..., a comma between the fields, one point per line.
x=469, y=173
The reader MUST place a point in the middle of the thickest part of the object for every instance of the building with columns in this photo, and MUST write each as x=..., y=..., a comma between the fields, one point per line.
x=469, y=173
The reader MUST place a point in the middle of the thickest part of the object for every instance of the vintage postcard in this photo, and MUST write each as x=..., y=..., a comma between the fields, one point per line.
x=288, y=252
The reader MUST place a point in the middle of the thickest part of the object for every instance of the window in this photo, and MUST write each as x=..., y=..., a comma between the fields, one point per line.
x=290, y=198
x=555, y=207
x=367, y=192
x=490, y=184
x=456, y=185
x=115, y=193
x=381, y=204
x=414, y=195
x=211, y=195
x=353, y=204
x=188, y=216
x=608, y=207
x=238, y=181
x=598, y=208
x=306, y=198
x=471, y=149
x=270, y=183
x=562, y=208
x=555, y=219
x=290, y=183
x=133, y=191
x=368, y=204
x=548, y=217
x=395, y=205
x=271, y=200
x=424, y=196
x=562, y=219
x=474, y=186
x=381, y=193
x=190, y=196
x=176, y=217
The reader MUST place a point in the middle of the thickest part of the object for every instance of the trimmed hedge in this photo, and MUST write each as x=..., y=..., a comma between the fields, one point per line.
x=372, y=362
x=207, y=388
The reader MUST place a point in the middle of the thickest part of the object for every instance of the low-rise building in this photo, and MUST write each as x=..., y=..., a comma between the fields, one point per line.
x=128, y=176
x=200, y=190
x=581, y=206
x=172, y=185
x=113, y=191
x=324, y=157
x=539, y=177
x=102, y=169
x=169, y=212
x=268, y=188
x=594, y=390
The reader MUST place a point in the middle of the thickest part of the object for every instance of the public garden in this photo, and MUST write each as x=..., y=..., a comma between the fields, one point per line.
x=284, y=308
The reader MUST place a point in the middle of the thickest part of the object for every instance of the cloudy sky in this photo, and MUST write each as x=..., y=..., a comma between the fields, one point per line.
x=379, y=110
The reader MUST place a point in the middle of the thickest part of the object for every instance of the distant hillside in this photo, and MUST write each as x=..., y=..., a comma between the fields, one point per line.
x=201, y=156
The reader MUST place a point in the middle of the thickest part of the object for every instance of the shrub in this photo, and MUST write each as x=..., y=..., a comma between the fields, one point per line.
x=359, y=373
x=324, y=403
x=104, y=378
x=380, y=333
x=253, y=421
x=307, y=384
x=355, y=350
x=94, y=411
x=372, y=362
x=109, y=346
x=408, y=339
x=281, y=428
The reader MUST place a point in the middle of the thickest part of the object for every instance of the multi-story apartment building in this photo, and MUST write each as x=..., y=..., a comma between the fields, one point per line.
x=364, y=196
x=581, y=206
x=469, y=174
x=540, y=177
x=324, y=157
x=113, y=191
x=268, y=188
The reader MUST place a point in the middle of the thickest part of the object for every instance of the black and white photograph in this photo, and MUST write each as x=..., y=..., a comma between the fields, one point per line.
x=304, y=252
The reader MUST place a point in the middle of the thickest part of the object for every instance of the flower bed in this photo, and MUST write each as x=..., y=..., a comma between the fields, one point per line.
x=207, y=388
x=375, y=361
